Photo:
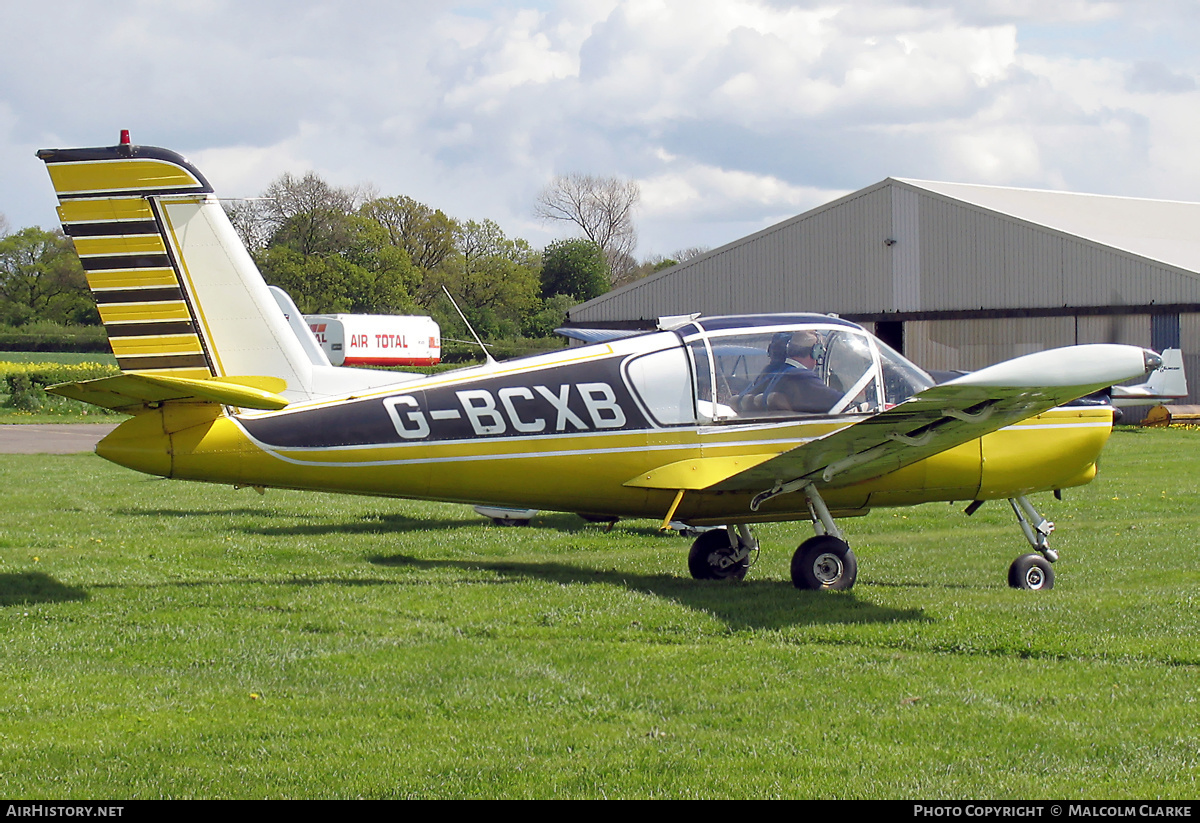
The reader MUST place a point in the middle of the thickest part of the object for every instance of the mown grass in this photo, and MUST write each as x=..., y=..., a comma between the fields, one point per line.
x=164, y=639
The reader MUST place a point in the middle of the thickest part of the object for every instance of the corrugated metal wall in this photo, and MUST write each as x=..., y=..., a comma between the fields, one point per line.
x=972, y=259
x=833, y=259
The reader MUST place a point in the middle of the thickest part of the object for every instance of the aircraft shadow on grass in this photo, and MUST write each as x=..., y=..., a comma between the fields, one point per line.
x=26, y=588
x=374, y=522
x=758, y=604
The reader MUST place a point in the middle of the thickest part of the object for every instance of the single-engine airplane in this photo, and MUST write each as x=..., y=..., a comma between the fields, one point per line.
x=711, y=421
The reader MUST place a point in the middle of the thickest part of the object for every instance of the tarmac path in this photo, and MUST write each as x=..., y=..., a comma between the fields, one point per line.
x=52, y=438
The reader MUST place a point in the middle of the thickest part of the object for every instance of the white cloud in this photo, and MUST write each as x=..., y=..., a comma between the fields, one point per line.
x=705, y=193
x=730, y=112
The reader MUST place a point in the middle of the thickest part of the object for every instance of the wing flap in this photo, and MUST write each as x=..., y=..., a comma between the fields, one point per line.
x=128, y=392
x=697, y=473
x=946, y=416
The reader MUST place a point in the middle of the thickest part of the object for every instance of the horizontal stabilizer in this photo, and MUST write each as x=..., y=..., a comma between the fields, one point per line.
x=129, y=392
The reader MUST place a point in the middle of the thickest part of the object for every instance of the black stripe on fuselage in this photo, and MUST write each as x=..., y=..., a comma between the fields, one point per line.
x=571, y=399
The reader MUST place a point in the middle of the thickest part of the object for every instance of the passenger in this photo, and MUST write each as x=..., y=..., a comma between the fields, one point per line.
x=753, y=398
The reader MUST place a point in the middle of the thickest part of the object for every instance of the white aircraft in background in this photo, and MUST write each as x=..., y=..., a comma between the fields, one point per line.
x=1167, y=382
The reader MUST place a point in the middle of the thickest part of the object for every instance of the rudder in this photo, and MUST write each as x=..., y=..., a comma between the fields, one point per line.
x=177, y=291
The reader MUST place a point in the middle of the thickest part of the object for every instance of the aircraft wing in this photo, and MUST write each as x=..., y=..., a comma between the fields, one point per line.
x=597, y=335
x=129, y=391
x=946, y=416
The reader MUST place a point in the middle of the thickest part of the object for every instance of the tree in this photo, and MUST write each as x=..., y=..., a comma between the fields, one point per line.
x=690, y=253
x=574, y=267
x=307, y=213
x=251, y=221
x=602, y=208
x=312, y=240
x=41, y=279
x=656, y=262
x=426, y=234
x=553, y=314
x=493, y=279
x=365, y=273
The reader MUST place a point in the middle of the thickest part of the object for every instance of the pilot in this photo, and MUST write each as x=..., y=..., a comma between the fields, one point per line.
x=789, y=383
x=754, y=397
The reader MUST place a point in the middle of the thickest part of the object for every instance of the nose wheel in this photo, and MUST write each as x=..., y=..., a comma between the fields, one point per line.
x=1032, y=571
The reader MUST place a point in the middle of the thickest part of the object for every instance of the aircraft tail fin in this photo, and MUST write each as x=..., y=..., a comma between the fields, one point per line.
x=1169, y=380
x=177, y=291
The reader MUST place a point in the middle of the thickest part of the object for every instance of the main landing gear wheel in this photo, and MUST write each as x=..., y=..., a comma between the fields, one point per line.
x=1031, y=571
x=713, y=558
x=824, y=563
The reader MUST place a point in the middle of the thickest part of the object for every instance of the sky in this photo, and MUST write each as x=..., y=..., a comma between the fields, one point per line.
x=730, y=114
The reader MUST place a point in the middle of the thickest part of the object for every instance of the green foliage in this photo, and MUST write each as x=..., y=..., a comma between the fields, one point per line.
x=364, y=279
x=551, y=316
x=41, y=279
x=335, y=250
x=493, y=278
x=26, y=385
x=48, y=336
x=427, y=235
x=23, y=395
x=391, y=255
x=576, y=268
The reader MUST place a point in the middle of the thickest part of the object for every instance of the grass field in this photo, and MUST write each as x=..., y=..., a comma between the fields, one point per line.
x=163, y=639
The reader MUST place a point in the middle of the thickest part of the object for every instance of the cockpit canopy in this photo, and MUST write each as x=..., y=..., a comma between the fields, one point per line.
x=776, y=366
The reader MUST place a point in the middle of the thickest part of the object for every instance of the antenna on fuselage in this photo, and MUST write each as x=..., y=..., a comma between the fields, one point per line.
x=490, y=360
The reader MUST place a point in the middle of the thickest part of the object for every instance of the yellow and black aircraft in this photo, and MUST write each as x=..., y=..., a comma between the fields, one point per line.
x=711, y=421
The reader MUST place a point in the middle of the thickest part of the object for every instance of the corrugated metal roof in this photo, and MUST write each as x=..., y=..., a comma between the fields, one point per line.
x=1162, y=230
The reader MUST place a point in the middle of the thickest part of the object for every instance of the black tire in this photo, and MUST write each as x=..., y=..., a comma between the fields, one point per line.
x=709, y=557
x=1032, y=572
x=824, y=563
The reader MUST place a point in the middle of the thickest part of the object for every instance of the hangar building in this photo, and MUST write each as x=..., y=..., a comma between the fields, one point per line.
x=955, y=276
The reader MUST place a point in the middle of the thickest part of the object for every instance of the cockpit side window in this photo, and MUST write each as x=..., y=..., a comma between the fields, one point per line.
x=662, y=382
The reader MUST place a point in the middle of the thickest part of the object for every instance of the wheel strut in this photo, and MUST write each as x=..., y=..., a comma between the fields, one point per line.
x=822, y=520
x=1037, y=529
